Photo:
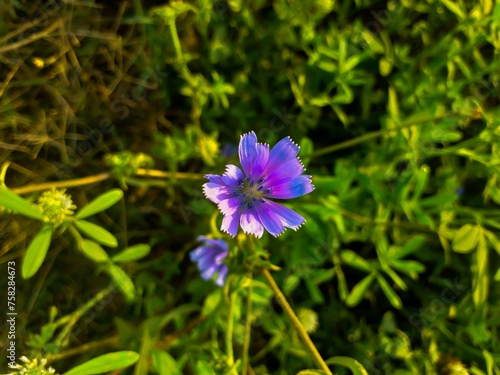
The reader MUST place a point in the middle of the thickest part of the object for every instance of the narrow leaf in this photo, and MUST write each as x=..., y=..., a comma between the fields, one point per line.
x=36, y=252
x=97, y=233
x=100, y=203
x=132, y=253
x=350, y=363
x=94, y=251
x=19, y=205
x=359, y=291
x=389, y=292
x=105, y=363
x=123, y=281
x=466, y=238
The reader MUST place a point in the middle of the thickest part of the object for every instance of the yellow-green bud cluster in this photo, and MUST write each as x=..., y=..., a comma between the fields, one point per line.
x=126, y=163
x=55, y=206
x=208, y=148
x=32, y=367
x=309, y=319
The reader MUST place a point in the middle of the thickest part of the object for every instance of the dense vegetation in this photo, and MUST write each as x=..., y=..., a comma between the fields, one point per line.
x=394, y=105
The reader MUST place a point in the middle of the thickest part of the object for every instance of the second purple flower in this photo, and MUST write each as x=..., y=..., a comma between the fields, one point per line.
x=243, y=196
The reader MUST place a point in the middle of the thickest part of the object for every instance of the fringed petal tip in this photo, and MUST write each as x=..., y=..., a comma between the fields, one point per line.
x=225, y=231
x=293, y=143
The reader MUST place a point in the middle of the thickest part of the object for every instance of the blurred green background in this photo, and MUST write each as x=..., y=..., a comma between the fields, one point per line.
x=395, y=105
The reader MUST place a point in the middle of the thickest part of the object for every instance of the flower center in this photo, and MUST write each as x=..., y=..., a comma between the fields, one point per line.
x=253, y=190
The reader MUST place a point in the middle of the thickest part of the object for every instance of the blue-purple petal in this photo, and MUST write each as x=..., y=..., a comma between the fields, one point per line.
x=282, y=152
x=247, y=151
x=231, y=205
x=210, y=258
x=230, y=222
x=216, y=192
x=233, y=175
x=250, y=222
x=288, y=217
x=289, y=170
x=293, y=188
x=269, y=220
x=260, y=161
x=221, y=277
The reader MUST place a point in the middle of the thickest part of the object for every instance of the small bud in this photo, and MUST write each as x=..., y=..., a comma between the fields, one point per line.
x=55, y=206
x=309, y=319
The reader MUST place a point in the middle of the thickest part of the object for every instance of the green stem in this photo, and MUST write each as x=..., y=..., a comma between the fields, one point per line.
x=75, y=316
x=248, y=325
x=296, y=322
x=368, y=136
x=229, y=333
x=101, y=177
x=175, y=41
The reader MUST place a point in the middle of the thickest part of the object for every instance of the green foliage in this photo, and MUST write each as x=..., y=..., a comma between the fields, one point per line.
x=105, y=363
x=395, y=107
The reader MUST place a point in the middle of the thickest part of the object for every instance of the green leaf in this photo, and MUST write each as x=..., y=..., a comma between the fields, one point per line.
x=354, y=260
x=164, y=363
x=100, y=203
x=359, y=291
x=389, y=292
x=94, y=251
x=314, y=291
x=97, y=233
x=408, y=266
x=105, y=363
x=497, y=275
x=438, y=200
x=466, y=238
x=350, y=363
x=132, y=253
x=36, y=252
x=123, y=281
x=481, y=280
x=14, y=202
x=312, y=372
x=409, y=247
x=493, y=240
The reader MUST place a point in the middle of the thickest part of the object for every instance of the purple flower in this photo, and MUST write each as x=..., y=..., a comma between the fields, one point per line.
x=243, y=197
x=210, y=259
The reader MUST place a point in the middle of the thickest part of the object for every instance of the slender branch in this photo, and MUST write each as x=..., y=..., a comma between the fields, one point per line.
x=229, y=333
x=110, y=341
x=62, y=184
x=163, y=174
x=101, y=177
x=368, y=136
x=296, y=322
x=248, y=325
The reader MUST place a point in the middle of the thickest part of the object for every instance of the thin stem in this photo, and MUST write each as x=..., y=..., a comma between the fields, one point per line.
x=163, y=174
x=229, y=333
x=368, y=136
x=175, y=40
x=62, y=184
x=75, y=316
x=296, y=322
x=110, y=341
x=248, y=324
x=101, y=177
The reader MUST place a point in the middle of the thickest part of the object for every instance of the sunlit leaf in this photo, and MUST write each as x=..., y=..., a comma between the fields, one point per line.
x=466, y=238
x=105, y=363
x=14, y=202
x=36, y=252
x=132, y=253
x=100, y=203
x=350, y=363
x=94, y=251
x=359, y=290
x=97, y=233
